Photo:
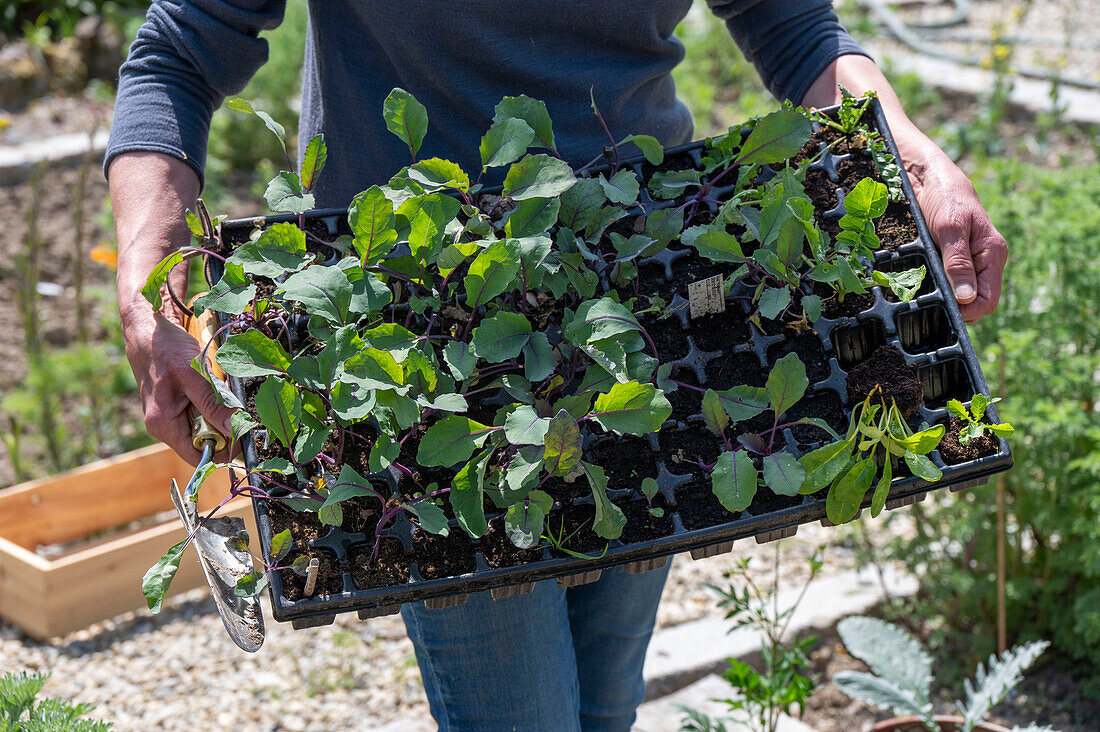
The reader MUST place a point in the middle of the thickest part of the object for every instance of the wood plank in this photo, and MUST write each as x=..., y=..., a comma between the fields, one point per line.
x=102, y=495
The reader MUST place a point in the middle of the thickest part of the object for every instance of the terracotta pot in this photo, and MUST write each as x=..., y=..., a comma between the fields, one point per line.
x=947, y=723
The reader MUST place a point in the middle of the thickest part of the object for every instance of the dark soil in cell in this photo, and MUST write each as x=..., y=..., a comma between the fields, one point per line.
x=682, y=449
x=887, y=369
x=852, y=305
x=699, y=507
x=329, y=579
x=851, y=170
x=564, y=492
x=361, y=514
x=734, y=369
x=810, y=352
x=670, y=336
x=626, y=460
x=897, y=226
x=766, y=502
x=574, y=525
x=642, y=525
x=443, y=556
x=685, y=402
x=686, y=270
x=500, y=552
x=391, y=567
x=954, y=452
x=677, y=161
x=721, y=330
x=824, y=405
x=820, y=190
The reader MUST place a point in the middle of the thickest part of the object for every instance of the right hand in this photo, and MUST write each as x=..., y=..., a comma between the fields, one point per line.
x=160, y=351
x=149, y=192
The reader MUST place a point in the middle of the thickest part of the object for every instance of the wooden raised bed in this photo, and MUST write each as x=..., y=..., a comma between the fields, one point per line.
x=91, y=510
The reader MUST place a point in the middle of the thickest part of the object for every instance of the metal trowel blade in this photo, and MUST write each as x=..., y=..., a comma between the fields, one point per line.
x=223, y=566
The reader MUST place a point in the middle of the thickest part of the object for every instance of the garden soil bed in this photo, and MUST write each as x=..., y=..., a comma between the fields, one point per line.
x=931, y=358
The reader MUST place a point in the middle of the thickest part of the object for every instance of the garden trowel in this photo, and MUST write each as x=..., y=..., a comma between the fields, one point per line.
x=221, y=562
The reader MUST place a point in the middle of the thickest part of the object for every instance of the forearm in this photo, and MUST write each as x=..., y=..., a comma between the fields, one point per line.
x=859, y=74
x=149, y=194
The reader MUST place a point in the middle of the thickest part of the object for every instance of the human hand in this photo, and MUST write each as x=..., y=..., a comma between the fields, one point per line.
x=160, y=351
x=973, y=251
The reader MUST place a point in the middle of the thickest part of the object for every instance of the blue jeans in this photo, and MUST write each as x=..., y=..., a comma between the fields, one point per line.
x=555, y=660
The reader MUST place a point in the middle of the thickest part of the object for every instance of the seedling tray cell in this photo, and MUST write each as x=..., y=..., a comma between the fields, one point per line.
x=929, y=330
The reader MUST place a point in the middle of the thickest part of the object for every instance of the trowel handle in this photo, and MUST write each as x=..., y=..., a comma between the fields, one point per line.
x=202, y=327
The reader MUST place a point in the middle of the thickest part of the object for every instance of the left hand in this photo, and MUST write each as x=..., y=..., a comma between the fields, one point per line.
x=973, y=251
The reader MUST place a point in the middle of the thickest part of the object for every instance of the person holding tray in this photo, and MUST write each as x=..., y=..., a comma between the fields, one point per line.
x=555, y=659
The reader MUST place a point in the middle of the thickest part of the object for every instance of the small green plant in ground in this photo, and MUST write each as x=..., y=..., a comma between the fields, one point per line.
x=901, y=674
x=781, y=683
x=22, y=711
x=974, y=418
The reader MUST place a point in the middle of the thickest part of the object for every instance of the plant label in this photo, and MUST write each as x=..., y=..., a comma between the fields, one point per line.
x=706, y=297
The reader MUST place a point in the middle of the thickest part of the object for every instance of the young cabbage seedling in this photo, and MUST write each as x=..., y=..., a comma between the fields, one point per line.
x=849, y=467
x=974, y=419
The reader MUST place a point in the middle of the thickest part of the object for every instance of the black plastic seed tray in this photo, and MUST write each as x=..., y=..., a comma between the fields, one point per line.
x=929, y=330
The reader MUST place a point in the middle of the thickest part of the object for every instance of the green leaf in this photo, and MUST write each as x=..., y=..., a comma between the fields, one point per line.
x=406, y=117
x=232, y=294
x=505, y=142
x=281, y=544
x=460, y=359
x=371, y=219
x=382, y=453
x=786, y=383
x=811, y=305
x=956, y=408
x=159, y=275
x=774, y=301
x=882, y=694
x=610, y=519
x=776, y=137
x=844, y=498
x=882, y=490
x=538, y=176
x=373, y=368
x=922, y=442
x=252, y=354
x=650, y=488
x=467, y=496
x=922, y=467
x=279, y=249
x=241, y=423
x=538, y=357
x=531, y=111
x=285, y=194
x=783, y=473
x=436, y=173
x=867, y=200
x=664, y=225
x=1004, y=429
x=823, y=465
x=734, y=480
x=279, y=407
x=311, y=438
x=492, y=273
x=622, y=188
x=250, y=585
x=155, y=583
x=669, y=184
x=431, y=517
x=788, y=244
x=532, y=216
x=580, y=203
x=652, y=149
x=501, y=337
x=525, y=427
x=322, y=291
x=714, y=415
x=632, y=409
x=903, y=284
x=598, y=320
x=451, y=440
x=313, y=160
x=396, y=339
x=524, y=520
x=744, y=402
x=427, y=229
x=563, y=445
x=714, y=243
x=978, y=403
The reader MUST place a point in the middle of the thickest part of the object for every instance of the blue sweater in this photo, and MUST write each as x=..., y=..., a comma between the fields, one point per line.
x=458, y=59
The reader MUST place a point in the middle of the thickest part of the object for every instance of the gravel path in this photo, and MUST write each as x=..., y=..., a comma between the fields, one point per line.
x=179, y=671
